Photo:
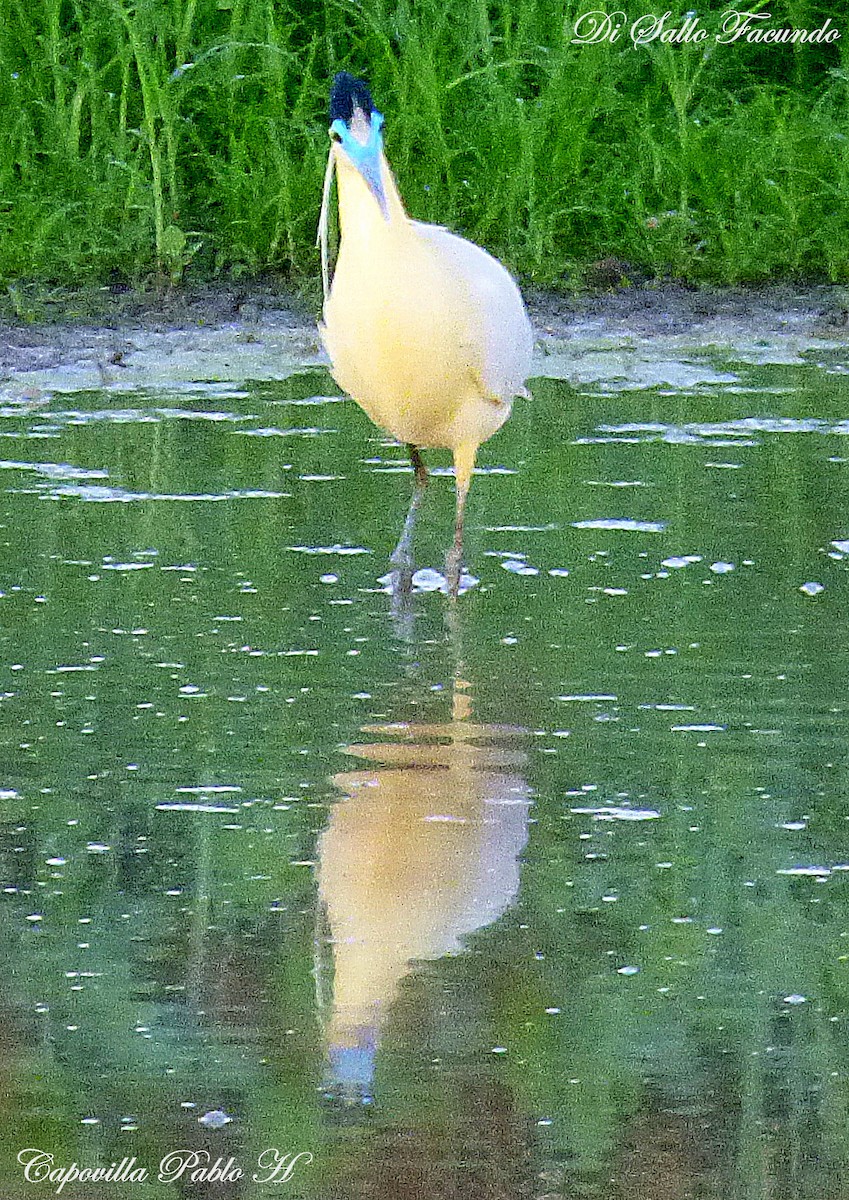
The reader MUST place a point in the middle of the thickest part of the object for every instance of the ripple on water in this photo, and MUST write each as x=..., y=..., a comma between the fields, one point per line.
x=549, y=528
x=615, y=812
x=813, y=872
x=311, y=401
x=310, y=431
x=91, y=493
x=624, y=524
x=207, y=789
x=56, y=470
x=198, y=389
x=121, y=566
x=146, y=416
x=336, y=548
x=714, y=433
x=199, y=806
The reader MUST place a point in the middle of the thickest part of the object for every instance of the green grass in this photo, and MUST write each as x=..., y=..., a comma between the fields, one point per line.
x=169, y=135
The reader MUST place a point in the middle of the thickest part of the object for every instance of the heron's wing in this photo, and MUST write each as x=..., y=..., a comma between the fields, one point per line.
x=497, y=331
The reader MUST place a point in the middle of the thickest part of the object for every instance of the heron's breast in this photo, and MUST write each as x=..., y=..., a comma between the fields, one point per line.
x=398, y=331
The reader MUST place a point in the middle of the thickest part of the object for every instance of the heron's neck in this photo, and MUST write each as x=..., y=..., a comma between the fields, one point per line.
x=359, y=211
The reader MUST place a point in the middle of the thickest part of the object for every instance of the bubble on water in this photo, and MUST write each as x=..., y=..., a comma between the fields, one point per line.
x=216, y=1119
x=678, y=561
x=812, y=589
x=428, y=580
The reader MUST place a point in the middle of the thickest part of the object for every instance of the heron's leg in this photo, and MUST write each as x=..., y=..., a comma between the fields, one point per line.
x=464, y=461
x=454, y=557
x=402, y=555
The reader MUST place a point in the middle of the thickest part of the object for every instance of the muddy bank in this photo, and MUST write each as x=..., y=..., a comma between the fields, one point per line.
x=639, y=336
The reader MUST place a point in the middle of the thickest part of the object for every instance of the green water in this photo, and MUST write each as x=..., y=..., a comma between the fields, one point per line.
x=605, y=810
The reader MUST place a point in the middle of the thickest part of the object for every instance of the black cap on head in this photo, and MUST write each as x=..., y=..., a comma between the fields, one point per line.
x=346, y=94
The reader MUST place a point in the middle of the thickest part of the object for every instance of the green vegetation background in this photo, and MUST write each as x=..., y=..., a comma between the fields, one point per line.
x=173, y=134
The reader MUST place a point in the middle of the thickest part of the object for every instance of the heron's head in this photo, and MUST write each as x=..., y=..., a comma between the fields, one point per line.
x=355, y=127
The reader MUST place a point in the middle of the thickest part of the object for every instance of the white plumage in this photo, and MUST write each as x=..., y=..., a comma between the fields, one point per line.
x=425, y=330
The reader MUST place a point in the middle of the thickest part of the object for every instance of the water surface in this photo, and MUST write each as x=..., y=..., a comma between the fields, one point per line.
x=548, y=900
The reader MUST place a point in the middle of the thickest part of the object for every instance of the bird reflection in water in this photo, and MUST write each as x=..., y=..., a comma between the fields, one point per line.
x=423, y=850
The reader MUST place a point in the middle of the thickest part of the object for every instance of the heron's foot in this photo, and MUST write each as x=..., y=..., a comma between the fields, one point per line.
x=454, y=570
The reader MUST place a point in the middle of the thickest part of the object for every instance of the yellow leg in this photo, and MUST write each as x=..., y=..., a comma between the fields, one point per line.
x=464, y=461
